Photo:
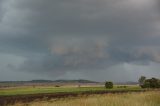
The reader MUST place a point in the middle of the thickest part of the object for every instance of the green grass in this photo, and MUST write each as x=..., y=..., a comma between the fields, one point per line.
x=40, y=90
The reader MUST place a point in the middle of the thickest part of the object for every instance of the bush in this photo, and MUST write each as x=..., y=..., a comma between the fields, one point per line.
x=57, y=86
x=109, y=84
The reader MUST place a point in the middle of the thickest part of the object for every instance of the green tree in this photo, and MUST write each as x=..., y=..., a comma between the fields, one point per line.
x=142, y=80
x=146, y=84
x=151, y=83
x=109, y=84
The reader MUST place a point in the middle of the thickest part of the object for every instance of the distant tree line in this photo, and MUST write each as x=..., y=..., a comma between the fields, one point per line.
x=149, y=83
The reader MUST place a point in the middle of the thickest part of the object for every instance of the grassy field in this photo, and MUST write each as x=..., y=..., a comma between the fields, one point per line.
x=40, y=90
x=127, y=99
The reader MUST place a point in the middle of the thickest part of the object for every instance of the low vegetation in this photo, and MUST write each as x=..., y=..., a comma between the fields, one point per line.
x=128, y=99
x=43, y=90
x=109, y=84
x=27, y=95
x=102, y=95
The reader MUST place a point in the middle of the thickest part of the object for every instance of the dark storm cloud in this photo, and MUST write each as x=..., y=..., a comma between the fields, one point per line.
x=88, y=36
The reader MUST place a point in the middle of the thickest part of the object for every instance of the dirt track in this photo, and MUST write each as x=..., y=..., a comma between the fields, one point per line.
x=5, y=100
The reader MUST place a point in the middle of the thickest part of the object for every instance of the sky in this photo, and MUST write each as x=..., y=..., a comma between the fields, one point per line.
x=116, y=40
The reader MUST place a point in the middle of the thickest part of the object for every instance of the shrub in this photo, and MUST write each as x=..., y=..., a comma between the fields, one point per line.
x=57, y=86
x=109, y=84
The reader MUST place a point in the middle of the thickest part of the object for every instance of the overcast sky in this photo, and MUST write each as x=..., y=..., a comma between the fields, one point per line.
x=99, y=40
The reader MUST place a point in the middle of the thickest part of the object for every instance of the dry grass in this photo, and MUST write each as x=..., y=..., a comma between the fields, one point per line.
x=130, y=99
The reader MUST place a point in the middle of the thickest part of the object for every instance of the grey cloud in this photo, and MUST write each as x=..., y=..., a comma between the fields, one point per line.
x=57, y=37
x=68, y=56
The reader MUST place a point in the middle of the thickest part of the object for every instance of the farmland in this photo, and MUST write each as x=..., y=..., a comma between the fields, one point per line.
x=41, y=90
x=126, y=99
x=29, y=94
x=58, y=95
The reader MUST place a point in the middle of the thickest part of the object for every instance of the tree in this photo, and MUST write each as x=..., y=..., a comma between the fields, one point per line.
x=146, y=84
x=150, y=83
x=153, y=83
x=142, y=80
x=109, y=84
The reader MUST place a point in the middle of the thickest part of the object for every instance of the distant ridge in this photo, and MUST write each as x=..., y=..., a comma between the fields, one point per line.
x=52, y=81
x=75, y=81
